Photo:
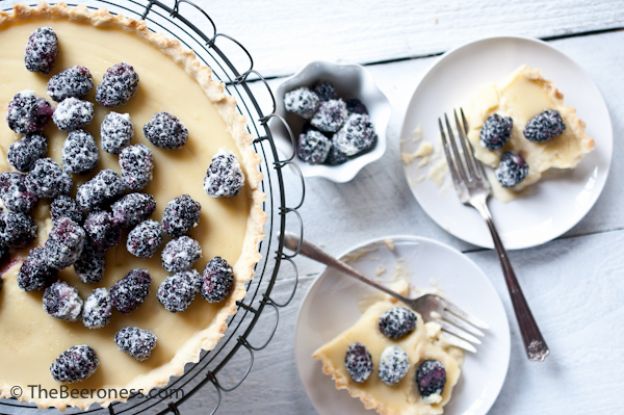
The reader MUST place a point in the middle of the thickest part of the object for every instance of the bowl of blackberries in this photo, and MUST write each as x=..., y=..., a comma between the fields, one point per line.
x=338, y=118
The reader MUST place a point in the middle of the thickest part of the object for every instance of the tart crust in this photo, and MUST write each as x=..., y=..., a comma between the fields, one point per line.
x=250, y=162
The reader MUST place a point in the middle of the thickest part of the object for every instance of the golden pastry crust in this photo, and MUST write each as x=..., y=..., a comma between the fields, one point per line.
x=250, y=162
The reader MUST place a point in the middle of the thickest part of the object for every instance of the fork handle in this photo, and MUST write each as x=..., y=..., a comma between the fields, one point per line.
x=534, y=343
x=315, y=253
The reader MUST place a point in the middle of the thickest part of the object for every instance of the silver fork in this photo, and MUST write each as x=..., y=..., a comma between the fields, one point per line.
x=459, y=328
x=473, y=189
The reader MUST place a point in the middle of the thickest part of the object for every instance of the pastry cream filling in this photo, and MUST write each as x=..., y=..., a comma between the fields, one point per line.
x=523, y=95
x=402, y=398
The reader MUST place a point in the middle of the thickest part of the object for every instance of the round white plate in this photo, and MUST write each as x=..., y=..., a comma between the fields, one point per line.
x=333, y=303
x=552, y=206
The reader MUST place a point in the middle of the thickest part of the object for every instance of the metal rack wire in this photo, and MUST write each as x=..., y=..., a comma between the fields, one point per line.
x=217, y=50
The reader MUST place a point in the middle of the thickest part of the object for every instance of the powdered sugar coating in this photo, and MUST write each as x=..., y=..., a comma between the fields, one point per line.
x=330, y=116
x=72, y=114
x=116, y=132
x=41, y=50
x=177, y=292
x=24, y=152
x=217, y=280
x=75, y=81
x=27, y=113
x=224, y=177
x=48, y=180
x=98, y=309
x=118, y=85
x=104, y=187
x=136, y=164
x=62, y=301
x=80, y=153
x=165, y=130
x=180, y=254
x=143, y=241
x=65, y=243
x=16, y=192
x=356, y=135
x=137, y=342
x=75, y=364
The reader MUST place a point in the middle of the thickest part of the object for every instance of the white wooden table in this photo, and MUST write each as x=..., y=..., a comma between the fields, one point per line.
x=574, y=284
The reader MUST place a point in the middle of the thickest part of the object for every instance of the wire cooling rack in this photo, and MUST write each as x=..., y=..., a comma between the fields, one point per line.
x=184, y=20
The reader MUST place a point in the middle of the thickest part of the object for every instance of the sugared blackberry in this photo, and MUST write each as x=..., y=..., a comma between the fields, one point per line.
x=116, y=132
x=393, y=365
x=512, y=170
x=98, y=309
x=330, y=116
x=64, y=205
x=496, y=131
x=397, y=322
x=89, y=266
x=144, y=239
x=177, y=292
x=80, y=153
x=313, y=147
x=16, y=229
x=217, y=280
x=358, y=362
x=130, y=292
x=24, y=152
x=356, y=135
x=75, y=364
x=137, y=342
x=180, y=215
x=118, y=85
x=16, y=192
x=65, y=243
x=355, y=106
x=41, y=50
x=133, y=209
x=104, y=187
x=35, y=273
x=430, y=378
x=27, y=113
x=224, y=177
x=72, y=114
x=48, y=180
x=102, y=230
x=165, y=130
x=62, y=301
x=74, y=82
x=544, y=126
x=180, y=254
x=335, y=156
x=325, y=90
x=302, y=101
x=136, y=164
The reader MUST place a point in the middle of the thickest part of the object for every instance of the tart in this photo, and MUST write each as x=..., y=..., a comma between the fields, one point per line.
x=518, y=102
x=171, y=79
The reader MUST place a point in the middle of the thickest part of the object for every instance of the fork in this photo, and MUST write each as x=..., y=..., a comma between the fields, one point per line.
x=473, y=189
x=459, y=328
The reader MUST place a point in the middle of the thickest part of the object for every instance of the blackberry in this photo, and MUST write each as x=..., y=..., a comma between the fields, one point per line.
x=544, y=126
x=358, y=362
x=104, y=187
x=16, y=229
x=65, y=243
x=116, y=132
x=313, y=147
x=102, y=230
x=133, y=209
x=144, y=239
x=98, y=309
x=118, y=85
x=165, y=130
x=24, y=152
x=335, y=156
x=180, y=215
x=72, y=114
x=430, y=378
x=302, y=101
x=177, y=292
x=512, y=170
x=16, y=192
x=35, y=273
x=74, y=82
x=130, y=292
x=356, y=136
x=136, y=164
x=325, y=90
x=397, y=322
x=62, y=301
x=41, y=50
x=330, y=116
x=179, y=254
x=89, y=266
x=137, y=342
x=48, y=180
x=224, y=177
x=355, y=106
x=75, y=364
x=496, y=131
x=217, y=280
x=27, y=113
x=393, y=365
x=80, y=153
x=64, y=205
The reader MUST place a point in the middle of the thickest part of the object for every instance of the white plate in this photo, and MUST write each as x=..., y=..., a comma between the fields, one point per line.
x=552, y=206
x=333, y=303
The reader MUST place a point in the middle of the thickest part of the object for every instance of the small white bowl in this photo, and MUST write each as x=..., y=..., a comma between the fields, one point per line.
x=351, y=81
